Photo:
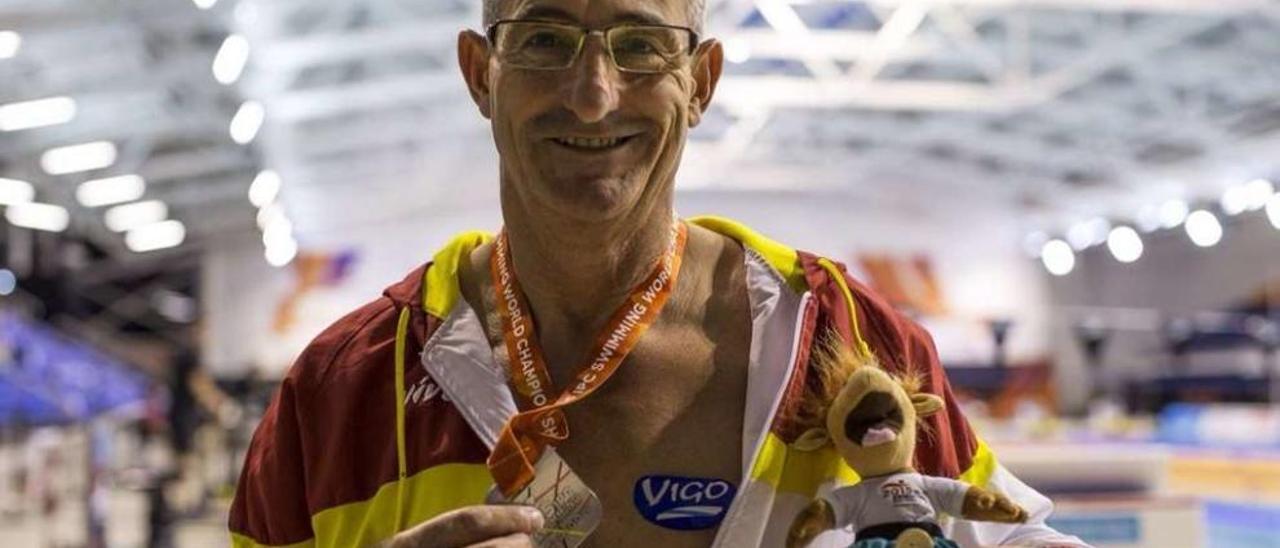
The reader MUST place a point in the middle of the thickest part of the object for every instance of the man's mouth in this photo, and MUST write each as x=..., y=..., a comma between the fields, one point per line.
x=592, y=143
x=876, y=420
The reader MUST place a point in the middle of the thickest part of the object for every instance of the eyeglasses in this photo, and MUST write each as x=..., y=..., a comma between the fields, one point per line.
x=543, y=45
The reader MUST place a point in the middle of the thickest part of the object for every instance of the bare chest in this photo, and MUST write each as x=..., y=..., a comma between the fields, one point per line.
x=673, y=410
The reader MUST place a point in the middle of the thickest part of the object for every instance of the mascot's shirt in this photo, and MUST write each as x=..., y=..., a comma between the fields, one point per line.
x=907, y=497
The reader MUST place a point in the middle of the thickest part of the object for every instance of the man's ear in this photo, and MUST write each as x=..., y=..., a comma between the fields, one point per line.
x=473, y=59
x=926, y=404
x=708, y=60
x=812, y=439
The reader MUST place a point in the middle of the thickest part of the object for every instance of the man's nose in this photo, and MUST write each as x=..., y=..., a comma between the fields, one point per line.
x=592, y=83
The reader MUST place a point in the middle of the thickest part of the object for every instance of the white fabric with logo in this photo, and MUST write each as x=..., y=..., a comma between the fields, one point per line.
x=905, y=497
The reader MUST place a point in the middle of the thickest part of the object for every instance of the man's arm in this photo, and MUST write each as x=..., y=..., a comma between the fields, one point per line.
x=1031, y=532
x=270, y=502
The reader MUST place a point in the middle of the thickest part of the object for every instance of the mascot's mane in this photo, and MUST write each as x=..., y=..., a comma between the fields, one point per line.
x=832, y=363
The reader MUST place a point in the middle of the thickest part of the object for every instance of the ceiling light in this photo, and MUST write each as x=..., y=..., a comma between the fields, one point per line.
x=9, y=43
x=1203, y=228
x=1085, y=234
x=1078, y=236
x=112, y=190
x=204, y=4
x=1235, y=200
x=1256, y=194
x=1148, y=219
x=130, y=216
x=265, y=188
x=1058, y=257
x=161, y=235
x=77, y=158
x=280, y=230
x=1099, y=229
x=229, y=62
x=38, y=216
x=1173, y=213
x=281, y=254
x=1125, y=244
x=1273, y=210
x=13, y=191
x=247, y=121
x=269, y=214
x=37, y=113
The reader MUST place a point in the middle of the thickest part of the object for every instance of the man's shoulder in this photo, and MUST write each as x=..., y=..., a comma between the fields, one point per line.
x=353, y=343
x=827, y=279
x=875, y=312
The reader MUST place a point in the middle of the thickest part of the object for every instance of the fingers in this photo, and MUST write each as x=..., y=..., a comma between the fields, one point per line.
x=518, y=540
x=1012, y=509
x=473, y=525
x=986, y=501
x=1020, y=516
x=1008, y=511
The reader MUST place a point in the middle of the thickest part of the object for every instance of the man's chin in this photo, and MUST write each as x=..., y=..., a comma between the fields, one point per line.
x=590, y=199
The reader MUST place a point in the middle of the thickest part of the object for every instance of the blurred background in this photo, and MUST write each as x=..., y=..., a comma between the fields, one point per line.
x=1077, y=197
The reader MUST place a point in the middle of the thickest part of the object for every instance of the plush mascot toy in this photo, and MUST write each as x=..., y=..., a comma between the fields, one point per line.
x=870, y=416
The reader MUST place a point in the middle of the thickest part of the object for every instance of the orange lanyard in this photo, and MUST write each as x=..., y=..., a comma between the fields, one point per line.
x=527, y=434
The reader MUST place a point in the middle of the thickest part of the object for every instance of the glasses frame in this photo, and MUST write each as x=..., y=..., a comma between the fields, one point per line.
x=491, y=34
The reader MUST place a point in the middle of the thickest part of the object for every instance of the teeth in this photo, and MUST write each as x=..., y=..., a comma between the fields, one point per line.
x=583, y=142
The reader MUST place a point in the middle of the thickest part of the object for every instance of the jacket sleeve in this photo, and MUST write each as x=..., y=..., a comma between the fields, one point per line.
x=270, y=506
x=1033, y=533
x=955, y=449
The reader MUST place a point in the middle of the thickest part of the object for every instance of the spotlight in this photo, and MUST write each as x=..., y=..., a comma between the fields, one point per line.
x=1173, y=213
x=1058, y=257
x=1125, y=244
x=1273, y=210
x=247, y=121
x=1203, y=228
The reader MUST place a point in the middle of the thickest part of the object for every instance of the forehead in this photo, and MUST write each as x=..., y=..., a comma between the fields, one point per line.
x=595, y=13
x=866, y=380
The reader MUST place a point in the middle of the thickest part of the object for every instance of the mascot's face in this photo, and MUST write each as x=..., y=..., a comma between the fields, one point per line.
x=872, y=424
x=872, y=419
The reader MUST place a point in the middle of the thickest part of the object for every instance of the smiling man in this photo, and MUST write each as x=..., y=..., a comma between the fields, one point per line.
x=658, y=357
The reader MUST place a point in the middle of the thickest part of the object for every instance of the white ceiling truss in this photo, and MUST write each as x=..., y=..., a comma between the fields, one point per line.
x=1051, y=110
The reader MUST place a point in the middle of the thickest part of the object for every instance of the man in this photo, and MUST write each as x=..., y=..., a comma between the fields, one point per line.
x=590, y=103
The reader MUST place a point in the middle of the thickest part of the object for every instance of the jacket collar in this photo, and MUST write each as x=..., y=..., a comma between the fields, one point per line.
x=458, y=357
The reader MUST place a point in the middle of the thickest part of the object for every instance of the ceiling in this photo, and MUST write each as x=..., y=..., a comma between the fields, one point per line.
x=1049, y=111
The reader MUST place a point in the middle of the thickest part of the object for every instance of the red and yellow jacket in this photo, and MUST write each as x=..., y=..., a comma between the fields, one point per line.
x=386, y=419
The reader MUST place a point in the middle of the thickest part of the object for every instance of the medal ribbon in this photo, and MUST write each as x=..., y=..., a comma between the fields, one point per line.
x=528, y=433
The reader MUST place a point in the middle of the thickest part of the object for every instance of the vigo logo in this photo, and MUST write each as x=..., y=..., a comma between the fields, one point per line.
x=684, y=504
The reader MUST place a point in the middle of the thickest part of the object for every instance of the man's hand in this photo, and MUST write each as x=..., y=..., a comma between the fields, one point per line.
x=983, y=505
x=812, y=521
x=474, y=527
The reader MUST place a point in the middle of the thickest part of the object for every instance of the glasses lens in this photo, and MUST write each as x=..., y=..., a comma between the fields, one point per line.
x=537, y=45
x=648, y=49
